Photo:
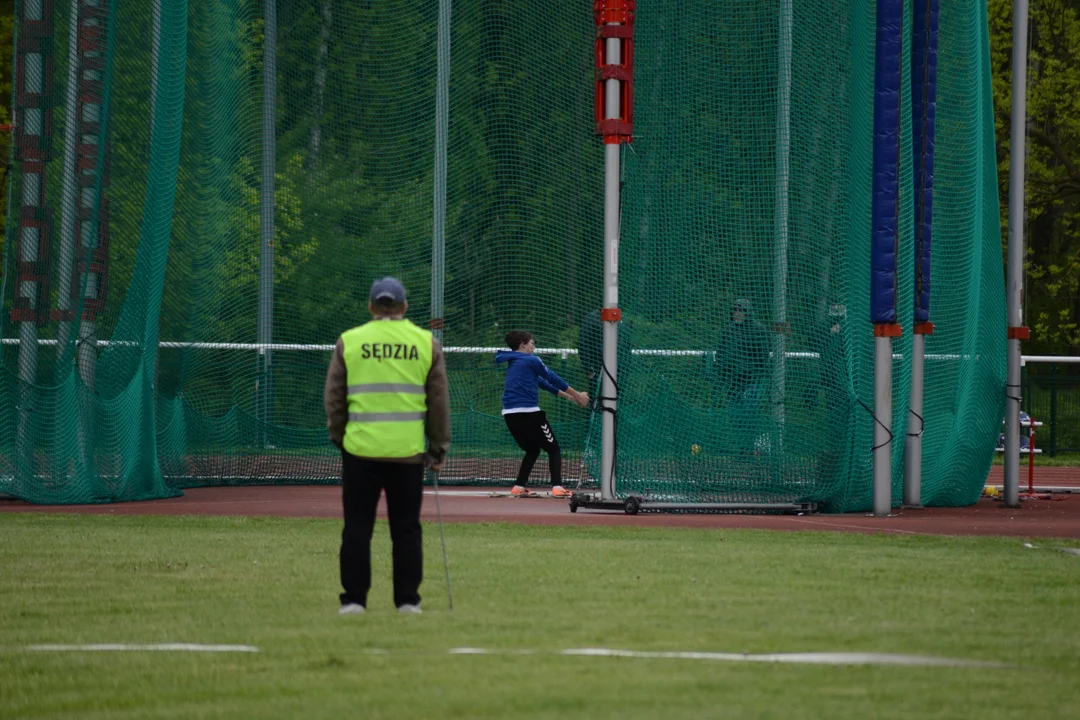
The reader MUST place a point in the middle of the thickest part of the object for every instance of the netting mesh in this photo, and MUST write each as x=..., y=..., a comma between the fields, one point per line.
x=965, y=357
x=138, y=369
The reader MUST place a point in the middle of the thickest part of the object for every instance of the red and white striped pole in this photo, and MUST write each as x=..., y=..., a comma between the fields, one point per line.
x=614, y=117
x=33, y=146
x=33, y=149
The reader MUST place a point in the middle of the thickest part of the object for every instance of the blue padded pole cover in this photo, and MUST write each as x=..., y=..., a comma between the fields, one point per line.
x=924, y=43
x=886, y=163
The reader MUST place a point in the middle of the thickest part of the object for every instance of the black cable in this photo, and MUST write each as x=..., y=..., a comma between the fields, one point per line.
x=80, y=341
x=877, y=447
x=1017, y=398
x=922, y=424
x=600, y=400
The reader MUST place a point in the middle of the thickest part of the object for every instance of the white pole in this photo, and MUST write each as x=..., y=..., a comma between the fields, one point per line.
x=68, y=237
x=155, y=68
x=87, y=233
x=1014, y=285
x=442, y=122
x=71, y=198
x=883, y=361
x=783, y=180
x=613, y=56
x=912, y=494
x=886, y=175
x=265, y=320
x=913, y=441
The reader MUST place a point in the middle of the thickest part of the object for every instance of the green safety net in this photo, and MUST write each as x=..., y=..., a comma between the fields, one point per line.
x=164, y=361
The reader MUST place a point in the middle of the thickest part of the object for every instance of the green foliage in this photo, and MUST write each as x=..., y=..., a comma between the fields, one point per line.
x=1052, y=288
x=346, y=169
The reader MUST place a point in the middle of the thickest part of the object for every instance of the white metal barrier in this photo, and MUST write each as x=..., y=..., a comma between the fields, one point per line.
x=480, y=350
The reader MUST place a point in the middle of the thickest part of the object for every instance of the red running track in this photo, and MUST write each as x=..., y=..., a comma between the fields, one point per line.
x=1035, y=518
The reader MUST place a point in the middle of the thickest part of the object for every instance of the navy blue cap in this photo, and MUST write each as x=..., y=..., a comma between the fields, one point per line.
x=388, y=288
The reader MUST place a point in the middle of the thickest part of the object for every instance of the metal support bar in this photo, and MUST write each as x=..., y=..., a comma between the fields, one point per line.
x=442, y=121
x=265, y=320
x=65, y=298
x=635, y=504
x=1015, y=271
x=612, y=15
x=882, y=425
x=781, y=211
x=913, y=441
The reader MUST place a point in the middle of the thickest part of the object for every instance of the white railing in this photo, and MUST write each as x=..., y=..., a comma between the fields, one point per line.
x=1065, y=359
x=474, y=349
x=481, y=350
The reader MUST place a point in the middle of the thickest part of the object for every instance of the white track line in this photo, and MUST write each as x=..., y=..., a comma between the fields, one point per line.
x=164, y=647
x=851, y=526
x=798, y=658
x=489, y=492
x=823, y=658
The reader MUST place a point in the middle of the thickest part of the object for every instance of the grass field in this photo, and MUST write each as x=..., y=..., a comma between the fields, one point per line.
x=272, y=583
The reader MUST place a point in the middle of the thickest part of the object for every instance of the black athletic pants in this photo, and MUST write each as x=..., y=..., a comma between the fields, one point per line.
x=362, y=481
x=533, y=434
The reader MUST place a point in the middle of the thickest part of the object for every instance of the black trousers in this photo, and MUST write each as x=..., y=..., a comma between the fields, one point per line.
x=533, y=434
x=362, y=481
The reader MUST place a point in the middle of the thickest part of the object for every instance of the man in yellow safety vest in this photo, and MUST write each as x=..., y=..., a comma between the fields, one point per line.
x=388, y=410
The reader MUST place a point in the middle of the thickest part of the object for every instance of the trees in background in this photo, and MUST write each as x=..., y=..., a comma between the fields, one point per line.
x=335, y=189
x=1053, y=165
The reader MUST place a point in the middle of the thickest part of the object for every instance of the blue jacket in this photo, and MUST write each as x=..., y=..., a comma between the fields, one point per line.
x=525, y=374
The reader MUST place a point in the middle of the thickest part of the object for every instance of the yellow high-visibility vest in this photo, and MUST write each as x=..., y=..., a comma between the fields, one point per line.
x=387, y=364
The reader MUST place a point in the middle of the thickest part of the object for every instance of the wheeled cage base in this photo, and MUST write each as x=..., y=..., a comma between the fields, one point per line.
x=634, y=504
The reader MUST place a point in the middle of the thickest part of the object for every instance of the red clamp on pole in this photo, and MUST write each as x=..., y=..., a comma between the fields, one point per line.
x=611, y=314
x=1019, y=333
x=924, y=328
x=888, y=330
x=613, y=11
x=615, y=19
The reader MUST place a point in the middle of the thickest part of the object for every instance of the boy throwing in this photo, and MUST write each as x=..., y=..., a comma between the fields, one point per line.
x=525, y=375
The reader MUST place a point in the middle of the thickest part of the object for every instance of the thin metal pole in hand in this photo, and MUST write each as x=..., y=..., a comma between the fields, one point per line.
x=442, y=538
